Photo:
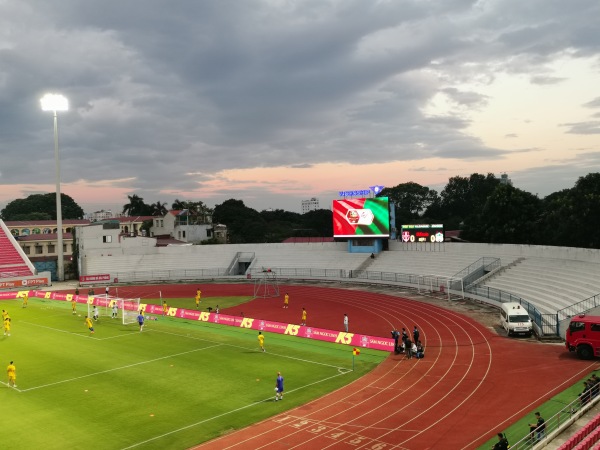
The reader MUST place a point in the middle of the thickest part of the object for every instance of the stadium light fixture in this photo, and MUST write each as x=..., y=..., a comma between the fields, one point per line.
x=55, y=103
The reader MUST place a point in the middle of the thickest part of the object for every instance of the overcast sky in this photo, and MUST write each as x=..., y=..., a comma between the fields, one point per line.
x=272, y=102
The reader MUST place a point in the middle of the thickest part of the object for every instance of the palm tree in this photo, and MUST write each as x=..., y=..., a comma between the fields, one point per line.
x=159, y=209
x=135, y=207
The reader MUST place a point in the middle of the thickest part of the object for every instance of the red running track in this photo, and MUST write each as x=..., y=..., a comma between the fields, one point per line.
x=457, y=397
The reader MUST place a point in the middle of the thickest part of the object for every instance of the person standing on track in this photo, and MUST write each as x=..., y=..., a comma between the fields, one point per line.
x=279, y=387
x=416, y=334
x=286, y=300
x=304, y=314
x=345, y=322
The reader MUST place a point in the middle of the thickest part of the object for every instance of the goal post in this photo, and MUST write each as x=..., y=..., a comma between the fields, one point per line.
x=124, y=309
x=266, y=284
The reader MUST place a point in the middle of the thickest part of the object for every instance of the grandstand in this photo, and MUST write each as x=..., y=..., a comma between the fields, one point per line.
x=550, y=284
x=13, y=262
x=544, y=279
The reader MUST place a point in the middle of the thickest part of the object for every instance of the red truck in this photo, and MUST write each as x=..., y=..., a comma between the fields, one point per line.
x=583, y=336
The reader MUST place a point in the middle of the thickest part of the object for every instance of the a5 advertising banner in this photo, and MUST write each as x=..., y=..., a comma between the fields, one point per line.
x=155, y=311
x=361, y=217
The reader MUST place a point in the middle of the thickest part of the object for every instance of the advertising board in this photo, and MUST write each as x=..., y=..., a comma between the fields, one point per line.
x=361, y=217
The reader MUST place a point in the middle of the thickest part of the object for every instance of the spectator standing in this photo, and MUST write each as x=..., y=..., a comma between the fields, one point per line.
x=416, y=334
x=396, y=337
x=502, y=443
x=408, y=348
x=585, y=395
x=404, y=337
x=539, y=427
x=346, y=322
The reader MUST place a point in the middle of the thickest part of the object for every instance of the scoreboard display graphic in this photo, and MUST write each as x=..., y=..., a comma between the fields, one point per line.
x=361, y=217
x=422, y=233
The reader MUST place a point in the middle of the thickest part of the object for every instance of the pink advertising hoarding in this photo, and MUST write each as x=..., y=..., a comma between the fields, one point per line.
x=320, y=334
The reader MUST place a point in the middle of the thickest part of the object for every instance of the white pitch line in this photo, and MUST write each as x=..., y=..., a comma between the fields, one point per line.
x=86, y=336
x=226, y=413
x=118, y=368
x=10, y=387
x=246, y=348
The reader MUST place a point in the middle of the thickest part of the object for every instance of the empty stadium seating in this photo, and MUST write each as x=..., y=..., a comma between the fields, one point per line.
x=12, y=262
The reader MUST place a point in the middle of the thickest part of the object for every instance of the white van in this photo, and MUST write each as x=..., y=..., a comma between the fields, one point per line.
x=515, y=320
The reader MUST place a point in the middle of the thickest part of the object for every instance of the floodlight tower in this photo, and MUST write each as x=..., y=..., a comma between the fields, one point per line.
x=54, y=103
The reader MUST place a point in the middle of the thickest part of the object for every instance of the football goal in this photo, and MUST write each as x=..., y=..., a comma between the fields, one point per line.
x=266, y=284
x=124, y=309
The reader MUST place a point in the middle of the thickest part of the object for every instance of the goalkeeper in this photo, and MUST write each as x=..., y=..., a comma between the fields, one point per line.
x=115, y=309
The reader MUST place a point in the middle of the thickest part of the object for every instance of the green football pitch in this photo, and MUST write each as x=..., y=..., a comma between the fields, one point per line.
x=176, y=384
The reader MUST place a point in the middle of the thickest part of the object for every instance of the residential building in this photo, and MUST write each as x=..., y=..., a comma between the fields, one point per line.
x=310, y=205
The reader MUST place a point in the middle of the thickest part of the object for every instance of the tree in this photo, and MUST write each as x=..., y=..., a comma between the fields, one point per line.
x=570, y=216
x=136, y=206
x=463, y=197
x=244, y=225
x=198, y=212
x=510, y=216
x=45, y=204
x=410, y=199
x=320, y=220
x=159, y=209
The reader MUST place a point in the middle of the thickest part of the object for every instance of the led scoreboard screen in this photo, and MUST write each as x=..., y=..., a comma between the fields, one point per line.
x=361, y=217
x=422, y=233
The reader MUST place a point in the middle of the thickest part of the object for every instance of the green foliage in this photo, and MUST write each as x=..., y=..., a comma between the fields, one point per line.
x=510, y=216
x=137, y=207
x=198, y=212
x=244, y=225
x=174, y=385
x=410, y=199
x=320, y=221
x=41, y=205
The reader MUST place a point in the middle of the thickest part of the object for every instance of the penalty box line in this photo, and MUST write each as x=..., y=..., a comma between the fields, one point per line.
x=118, y=368
x=81, y=334
x=250, y=405
x=340, y=369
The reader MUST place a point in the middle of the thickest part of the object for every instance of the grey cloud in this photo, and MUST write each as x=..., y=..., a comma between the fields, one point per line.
x=169, y=95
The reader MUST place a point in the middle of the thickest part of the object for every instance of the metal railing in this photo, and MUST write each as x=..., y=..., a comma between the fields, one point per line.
x=555, y=424
x=546, y=324
x=579, y=307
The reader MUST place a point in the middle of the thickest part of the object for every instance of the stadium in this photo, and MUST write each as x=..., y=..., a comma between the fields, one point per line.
x=195, y=377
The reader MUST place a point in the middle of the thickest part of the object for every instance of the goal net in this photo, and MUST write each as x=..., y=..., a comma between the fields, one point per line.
x=124, y=309
x=266, y=284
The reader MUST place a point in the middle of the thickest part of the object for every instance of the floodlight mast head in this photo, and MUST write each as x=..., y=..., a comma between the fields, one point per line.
x=54, y=102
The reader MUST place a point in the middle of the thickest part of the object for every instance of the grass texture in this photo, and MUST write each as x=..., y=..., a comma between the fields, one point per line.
x=174, y=385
